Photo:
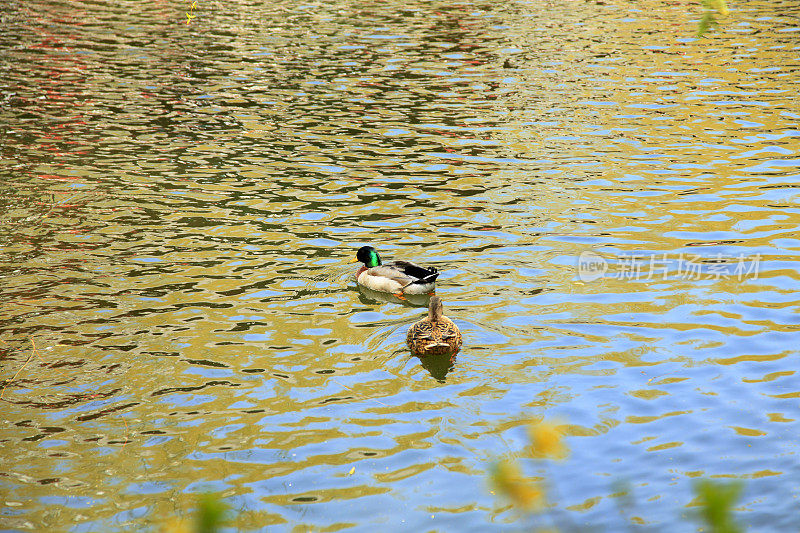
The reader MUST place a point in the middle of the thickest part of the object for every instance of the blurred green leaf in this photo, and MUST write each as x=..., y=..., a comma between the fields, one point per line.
x=210, y=513
x=708, y=21
x=717, y=500
x=710, y=9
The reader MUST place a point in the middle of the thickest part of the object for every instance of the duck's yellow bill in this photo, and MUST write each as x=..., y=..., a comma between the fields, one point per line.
x=354, y=260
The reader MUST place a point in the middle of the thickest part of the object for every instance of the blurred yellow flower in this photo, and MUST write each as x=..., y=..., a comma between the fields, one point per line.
x=510, y=482
x=175, y=525
x=721, y=6
x=546, y=440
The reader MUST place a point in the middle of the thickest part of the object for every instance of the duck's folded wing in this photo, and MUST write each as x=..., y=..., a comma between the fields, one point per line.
x=390, y=271
x=427, y=275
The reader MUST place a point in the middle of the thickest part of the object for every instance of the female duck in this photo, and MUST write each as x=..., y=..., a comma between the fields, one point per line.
x=434, y=335
x=397, y=277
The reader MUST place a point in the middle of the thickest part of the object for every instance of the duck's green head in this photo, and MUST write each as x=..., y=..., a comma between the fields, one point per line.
x=368, y=256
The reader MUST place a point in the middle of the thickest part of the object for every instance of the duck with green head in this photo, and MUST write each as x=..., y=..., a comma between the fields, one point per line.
x=396, y=277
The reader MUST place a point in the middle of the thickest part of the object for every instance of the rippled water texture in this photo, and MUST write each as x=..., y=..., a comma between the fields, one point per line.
x=180, y=203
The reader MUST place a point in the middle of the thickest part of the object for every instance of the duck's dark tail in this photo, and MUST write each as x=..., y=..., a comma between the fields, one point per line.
x=429, y=278
x=421, y=275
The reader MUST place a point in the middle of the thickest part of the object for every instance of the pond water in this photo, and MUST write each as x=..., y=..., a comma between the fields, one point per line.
x=613, y=205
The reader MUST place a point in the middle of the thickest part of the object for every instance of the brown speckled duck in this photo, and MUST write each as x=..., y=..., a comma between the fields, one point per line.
x=434, y=335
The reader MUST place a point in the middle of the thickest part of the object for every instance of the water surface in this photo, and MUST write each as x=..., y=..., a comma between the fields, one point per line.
x=179, y=203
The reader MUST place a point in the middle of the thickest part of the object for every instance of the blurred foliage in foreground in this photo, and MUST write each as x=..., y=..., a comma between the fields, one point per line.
x=710, y=10
x=716, y=503
x=529, y=495
x=210, y=513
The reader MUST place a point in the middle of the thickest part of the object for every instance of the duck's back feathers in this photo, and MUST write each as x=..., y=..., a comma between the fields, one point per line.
x=398, y=277
x=417, y=273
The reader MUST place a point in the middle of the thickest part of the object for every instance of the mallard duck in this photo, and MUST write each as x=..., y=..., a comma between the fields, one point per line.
x=397, y=277
x=434, y=335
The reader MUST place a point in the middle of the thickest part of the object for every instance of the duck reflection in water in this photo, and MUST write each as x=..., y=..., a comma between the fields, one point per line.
x=438, y=365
